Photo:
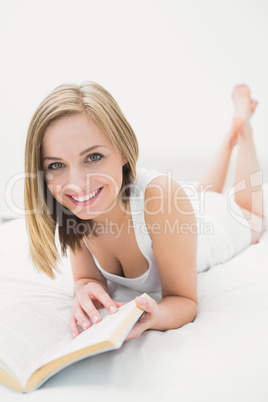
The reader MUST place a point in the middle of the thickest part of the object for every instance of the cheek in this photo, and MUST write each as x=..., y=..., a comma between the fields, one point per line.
x=111, y=178
x=54, y=187
x=54, y=182
x=115, y=182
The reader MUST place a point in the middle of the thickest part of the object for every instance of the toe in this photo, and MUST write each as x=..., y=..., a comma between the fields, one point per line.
x=241, y=90
x=253, y=104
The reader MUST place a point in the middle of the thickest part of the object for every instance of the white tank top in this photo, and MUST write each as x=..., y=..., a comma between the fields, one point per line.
x=150, y=280
x=222, y=238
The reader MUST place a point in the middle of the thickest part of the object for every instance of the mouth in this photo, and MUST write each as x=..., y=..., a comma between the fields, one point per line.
x=86, y=199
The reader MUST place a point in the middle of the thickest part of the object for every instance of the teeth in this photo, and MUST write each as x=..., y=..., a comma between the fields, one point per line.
x=86, y=198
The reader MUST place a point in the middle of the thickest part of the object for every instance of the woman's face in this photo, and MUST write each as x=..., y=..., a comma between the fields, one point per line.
x=82, y=168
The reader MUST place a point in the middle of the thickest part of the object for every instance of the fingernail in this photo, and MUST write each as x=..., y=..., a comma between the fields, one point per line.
x=95, y=318
x=141, y=301
x=112, y=309
x=85, y=324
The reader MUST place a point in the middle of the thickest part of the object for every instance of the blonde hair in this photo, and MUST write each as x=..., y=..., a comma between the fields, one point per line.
x=43, y=212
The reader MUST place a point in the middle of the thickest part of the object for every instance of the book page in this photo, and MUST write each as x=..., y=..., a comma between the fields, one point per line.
x=96, y=333
x=27, y=333
x=31, y=336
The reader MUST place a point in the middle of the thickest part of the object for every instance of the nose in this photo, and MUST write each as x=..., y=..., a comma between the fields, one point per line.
x=78, y=180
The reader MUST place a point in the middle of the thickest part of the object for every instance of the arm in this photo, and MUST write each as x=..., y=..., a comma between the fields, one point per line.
x=90, y=291
x=175, y=250
x=84, y=269
x=174, y=247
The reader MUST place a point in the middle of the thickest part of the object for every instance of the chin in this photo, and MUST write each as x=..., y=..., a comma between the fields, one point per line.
x=86, y=216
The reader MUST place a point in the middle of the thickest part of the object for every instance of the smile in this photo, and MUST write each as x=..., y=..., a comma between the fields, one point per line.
x=87, y=198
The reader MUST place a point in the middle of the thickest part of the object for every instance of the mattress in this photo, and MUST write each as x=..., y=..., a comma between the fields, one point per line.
x=221, y=356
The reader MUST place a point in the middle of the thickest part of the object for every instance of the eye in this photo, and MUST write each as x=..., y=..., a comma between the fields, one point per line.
x=55, y=166
x=94, y=157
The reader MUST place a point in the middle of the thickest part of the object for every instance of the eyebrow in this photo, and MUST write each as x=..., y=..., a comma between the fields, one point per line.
x=53, y=158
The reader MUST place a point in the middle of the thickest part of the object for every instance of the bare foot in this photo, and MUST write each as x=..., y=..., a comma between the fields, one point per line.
x=244, y=107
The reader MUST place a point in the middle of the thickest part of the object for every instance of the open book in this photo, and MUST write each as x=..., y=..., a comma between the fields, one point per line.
x=36, y=343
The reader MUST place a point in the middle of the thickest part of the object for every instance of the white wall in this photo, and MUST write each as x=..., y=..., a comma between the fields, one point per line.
x=170, y=64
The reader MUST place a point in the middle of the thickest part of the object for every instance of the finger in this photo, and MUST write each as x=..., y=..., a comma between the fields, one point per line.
x=73, y=326
x=143, y=303
x=98, y=304
x=90, y=309
x=80, y=315
x=136, y=331
x=149, y=306
x=118, y=304
x=100, y=294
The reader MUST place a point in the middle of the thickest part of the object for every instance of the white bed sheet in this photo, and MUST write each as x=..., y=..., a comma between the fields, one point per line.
x=221, y=356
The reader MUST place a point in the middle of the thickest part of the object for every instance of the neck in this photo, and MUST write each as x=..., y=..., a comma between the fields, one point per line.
x=116, y=215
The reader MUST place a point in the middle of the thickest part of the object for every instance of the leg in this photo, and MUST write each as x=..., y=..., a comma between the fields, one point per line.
x=248, y=176
x=215, y=176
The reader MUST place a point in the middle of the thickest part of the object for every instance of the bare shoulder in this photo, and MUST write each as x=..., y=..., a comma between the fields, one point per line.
x=169, y=218
x=164, y=195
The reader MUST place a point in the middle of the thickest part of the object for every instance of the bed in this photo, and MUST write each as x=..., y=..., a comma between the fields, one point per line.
x=221, y=356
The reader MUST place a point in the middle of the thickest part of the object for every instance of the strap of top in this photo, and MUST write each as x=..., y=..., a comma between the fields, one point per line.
x=144, y=177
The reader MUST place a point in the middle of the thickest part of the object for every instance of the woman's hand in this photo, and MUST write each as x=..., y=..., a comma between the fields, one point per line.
x=87, y=300
x=148, y=318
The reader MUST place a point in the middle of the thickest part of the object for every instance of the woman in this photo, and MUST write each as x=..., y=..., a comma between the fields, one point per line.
x=133, y=227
